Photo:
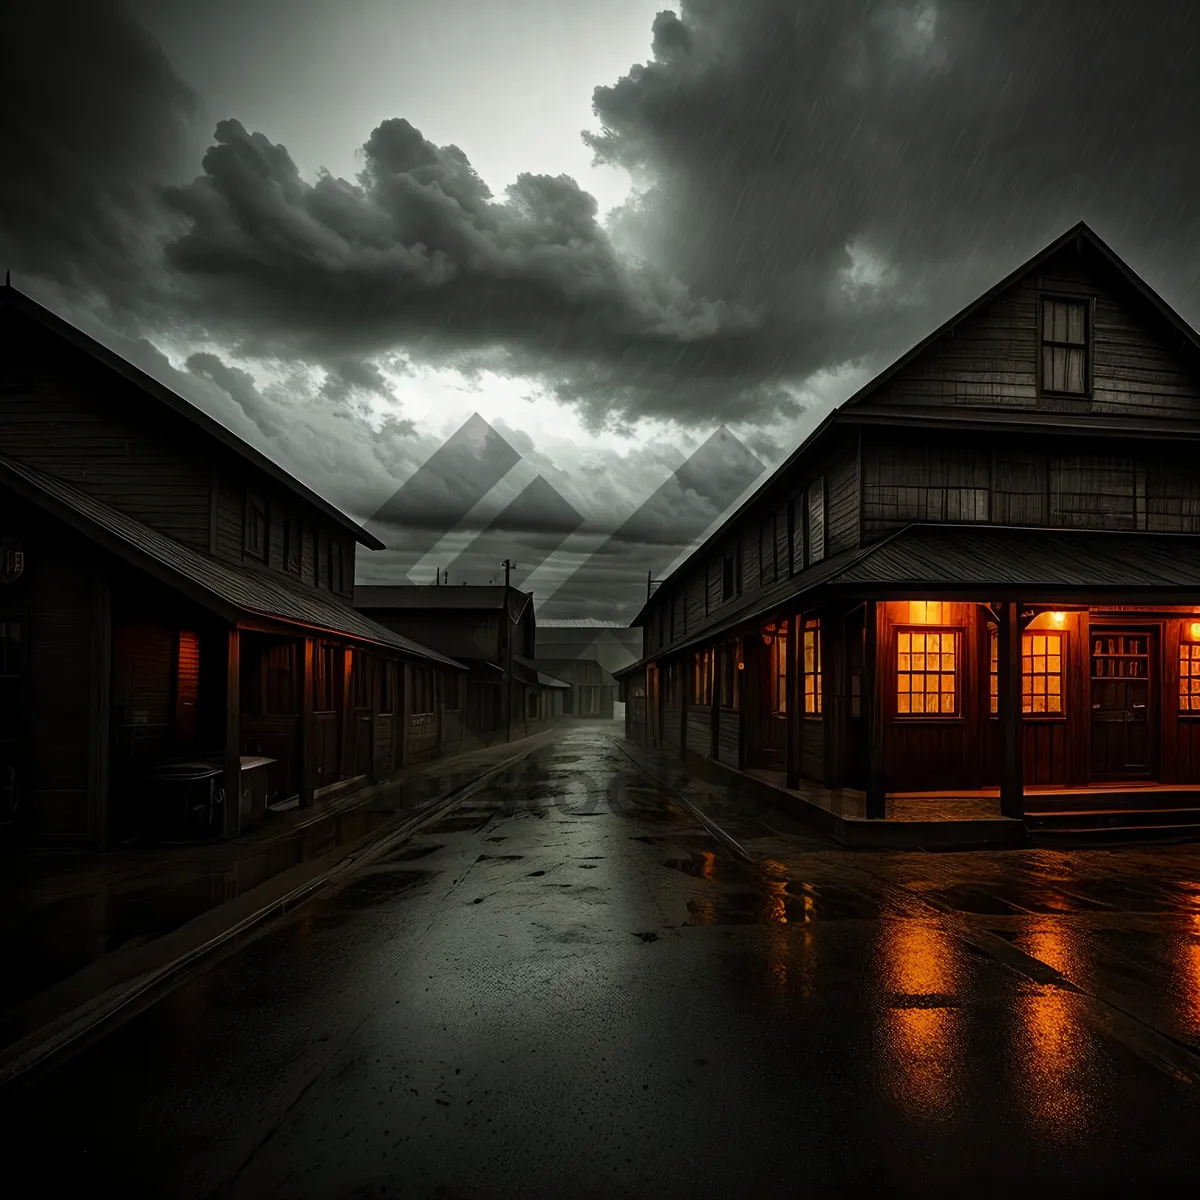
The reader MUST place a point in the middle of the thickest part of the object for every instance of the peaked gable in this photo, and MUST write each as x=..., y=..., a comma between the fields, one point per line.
x=183, y=413
x=1137, y=356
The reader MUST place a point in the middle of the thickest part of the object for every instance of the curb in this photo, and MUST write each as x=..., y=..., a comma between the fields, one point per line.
x=123, y=1000
x=715, y=830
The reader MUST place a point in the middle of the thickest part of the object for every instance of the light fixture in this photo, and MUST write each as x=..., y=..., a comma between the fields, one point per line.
x=1058, y=619
x=741, y=665
x=1195, y=631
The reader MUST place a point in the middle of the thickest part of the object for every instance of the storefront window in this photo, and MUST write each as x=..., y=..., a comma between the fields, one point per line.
x=927, y=672
x=1189, y=677
x=812, y=669
x=1041, y=673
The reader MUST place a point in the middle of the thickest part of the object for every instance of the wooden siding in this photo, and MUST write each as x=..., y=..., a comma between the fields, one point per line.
x=991, y=359
x=694, y=613
x=842, y=502
x=699, y=729
x=63, y=414
x=729, y=735
x=672, y=718
x=945, y=477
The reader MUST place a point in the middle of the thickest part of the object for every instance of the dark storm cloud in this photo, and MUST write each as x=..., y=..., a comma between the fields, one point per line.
x=93, y=122
x=418, y=253
x=856, y=169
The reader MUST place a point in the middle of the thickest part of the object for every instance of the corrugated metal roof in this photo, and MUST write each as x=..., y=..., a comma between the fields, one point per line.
x=177, y=404
x=995, y=556
x=225, y=587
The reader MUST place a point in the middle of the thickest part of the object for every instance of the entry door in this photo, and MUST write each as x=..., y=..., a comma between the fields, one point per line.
x=1122, y=705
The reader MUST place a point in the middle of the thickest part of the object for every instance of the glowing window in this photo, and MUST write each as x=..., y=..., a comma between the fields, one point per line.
x=812, y=668
x=1189, y=677
x=1041, y=673
x=926, y=672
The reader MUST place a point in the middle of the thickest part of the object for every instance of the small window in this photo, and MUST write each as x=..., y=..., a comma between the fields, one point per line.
x=727, y=576
x=816, y=521
x=1189, y=677
x=796, y=523
x=766, y=550
x=293, y=544
x=812, y=669
x=1041, y=673
x=926, y=672
x=1065, y=346
x=256, y=527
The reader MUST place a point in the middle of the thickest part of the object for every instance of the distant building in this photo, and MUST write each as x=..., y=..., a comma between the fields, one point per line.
x=169, y=595
x=585, y=653
x=492, y=631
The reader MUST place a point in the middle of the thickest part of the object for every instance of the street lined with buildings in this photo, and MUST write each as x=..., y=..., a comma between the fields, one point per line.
x=568, y=986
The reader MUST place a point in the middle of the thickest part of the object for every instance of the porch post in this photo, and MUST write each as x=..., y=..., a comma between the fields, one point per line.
x=1012, y=767
x=794, y=699
x=307, y=726
x=872, y=701
x=233, y=735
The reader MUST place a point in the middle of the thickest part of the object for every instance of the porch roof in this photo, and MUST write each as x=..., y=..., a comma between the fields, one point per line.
x=230, y=590
x=984, y=562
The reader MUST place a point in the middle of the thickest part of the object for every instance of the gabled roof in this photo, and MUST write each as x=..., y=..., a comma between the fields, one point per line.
x=18, y=300
x=1081, y=234
x=233, y=592
x=846, y=412
x=430, y=597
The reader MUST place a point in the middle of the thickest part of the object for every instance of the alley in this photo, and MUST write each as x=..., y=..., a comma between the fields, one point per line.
x=568, y=987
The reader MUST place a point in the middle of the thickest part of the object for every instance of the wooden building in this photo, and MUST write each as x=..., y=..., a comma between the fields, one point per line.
x=492, y=631
x=980, y=572
x=585, y=652
x=168, y=593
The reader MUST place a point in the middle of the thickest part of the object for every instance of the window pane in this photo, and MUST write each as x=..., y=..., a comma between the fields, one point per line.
x=1074, y=371
x=1075, y=314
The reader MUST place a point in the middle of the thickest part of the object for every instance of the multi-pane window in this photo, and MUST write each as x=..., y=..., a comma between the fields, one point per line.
x=812, y=669
x=927, y=672
x=1065, y=346
x=1189, y=677
x=1041, y=673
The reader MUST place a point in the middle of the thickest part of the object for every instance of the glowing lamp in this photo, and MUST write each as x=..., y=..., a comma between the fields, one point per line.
x=1194, y=630
x=741, y=665
x=1057, y=619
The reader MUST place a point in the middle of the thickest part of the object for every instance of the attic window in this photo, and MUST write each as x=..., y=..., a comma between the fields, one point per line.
x=256, y=527
x=1065, y=346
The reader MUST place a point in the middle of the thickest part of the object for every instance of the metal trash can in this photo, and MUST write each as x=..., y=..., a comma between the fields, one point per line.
x=184, y=802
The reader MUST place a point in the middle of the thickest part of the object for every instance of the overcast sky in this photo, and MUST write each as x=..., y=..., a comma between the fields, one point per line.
x=628, y=237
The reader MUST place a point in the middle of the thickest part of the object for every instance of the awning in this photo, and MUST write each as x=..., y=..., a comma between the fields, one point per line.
x=982, y=563
x=233, y=592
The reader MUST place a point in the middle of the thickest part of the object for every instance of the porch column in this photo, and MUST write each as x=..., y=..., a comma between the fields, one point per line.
x=233, y=735
x=308, y=729
x=1012, y=766
x=872, y=702
x=793, y=700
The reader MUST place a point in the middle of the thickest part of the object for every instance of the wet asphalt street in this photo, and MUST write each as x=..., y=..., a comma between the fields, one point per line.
x=567, y=988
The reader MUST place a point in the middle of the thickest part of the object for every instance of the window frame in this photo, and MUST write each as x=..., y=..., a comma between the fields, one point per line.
x=777, y=671
x=958, y=716
x=1194, y=660
x=993, y=642
x=1089, y=325
x=817, y=674
x=256, y=505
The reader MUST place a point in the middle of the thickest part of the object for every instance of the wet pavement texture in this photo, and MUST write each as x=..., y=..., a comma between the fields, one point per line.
x=60, y=912
x=567, y=987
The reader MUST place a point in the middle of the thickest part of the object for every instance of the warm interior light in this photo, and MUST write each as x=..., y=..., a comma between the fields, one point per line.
x=1057, y=619
x=1195, y=631
x=924, y=612
x=741, y=665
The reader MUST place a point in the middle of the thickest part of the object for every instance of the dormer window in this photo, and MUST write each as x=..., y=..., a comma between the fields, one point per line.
x=1066, y=370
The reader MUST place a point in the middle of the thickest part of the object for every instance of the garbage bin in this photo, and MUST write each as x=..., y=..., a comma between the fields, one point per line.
x=183, y=802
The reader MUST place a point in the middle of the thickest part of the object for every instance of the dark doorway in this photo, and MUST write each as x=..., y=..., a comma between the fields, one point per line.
x=1123, y=710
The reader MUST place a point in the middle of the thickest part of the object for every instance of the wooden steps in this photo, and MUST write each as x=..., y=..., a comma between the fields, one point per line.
x=1163, y=816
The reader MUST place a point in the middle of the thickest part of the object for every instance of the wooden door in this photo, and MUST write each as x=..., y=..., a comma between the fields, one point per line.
x=1123, y=713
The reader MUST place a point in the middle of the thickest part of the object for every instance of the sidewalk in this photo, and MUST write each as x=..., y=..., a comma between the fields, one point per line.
x=83, y=934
